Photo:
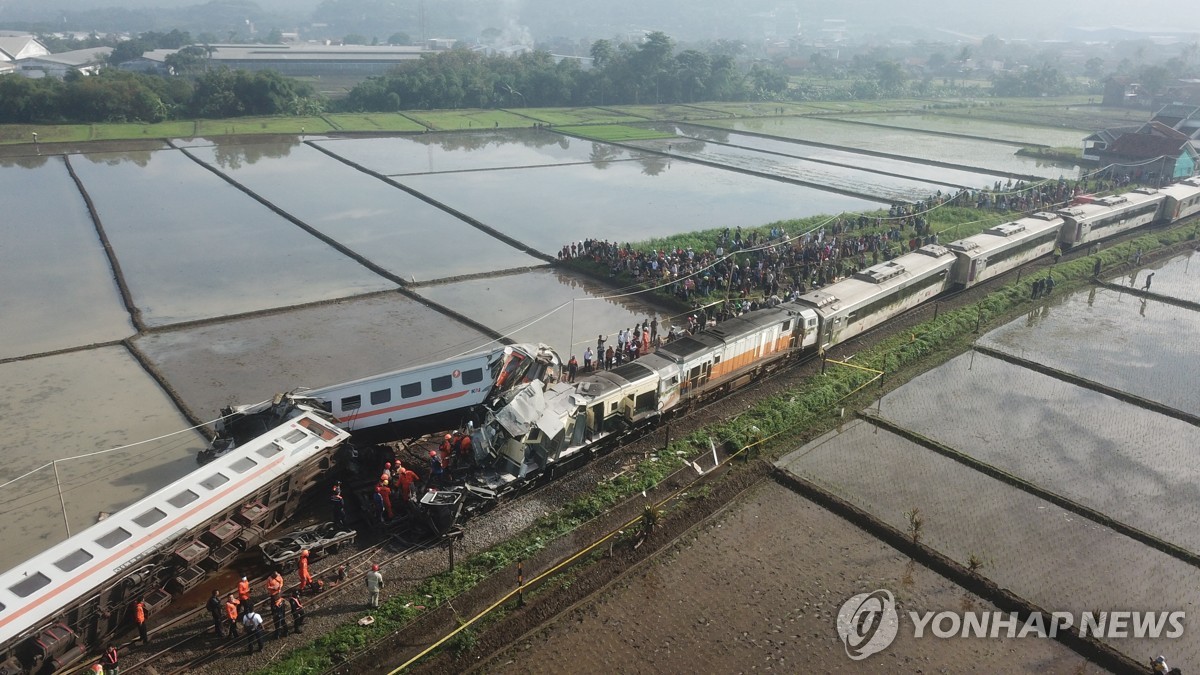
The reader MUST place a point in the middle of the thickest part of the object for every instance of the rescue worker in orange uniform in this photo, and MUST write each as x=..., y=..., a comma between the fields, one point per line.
x=386, y=493
x=406, y=479
x=305, y=578
x=244, y=593
x=464, y=454
x=446, y=449
x=139, y=617
x=110, y=660
x=274, y=585
x=232, y=611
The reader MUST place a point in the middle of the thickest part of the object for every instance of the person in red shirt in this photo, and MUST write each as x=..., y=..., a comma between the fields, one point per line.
x=305, y=578
x=386, y=494
x=139, y=617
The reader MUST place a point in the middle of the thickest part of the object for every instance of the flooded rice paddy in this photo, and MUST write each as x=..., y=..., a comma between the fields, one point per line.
x=1051, y=557
x=631, y=200
x=69, y=296
x=386, y=225
x=548, y=306
x=855, y=160
x=1023, y=134
x=916, y=144
x=853, y=181
x=470, y=151
x=194, y=247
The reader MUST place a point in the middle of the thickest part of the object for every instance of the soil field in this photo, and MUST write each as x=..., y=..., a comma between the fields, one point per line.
x=758, y=587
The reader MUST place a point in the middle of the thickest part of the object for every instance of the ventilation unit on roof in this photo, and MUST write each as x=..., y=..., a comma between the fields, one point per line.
x=964, y=245
x=1044, y=215
x=819, y=299
x=1006, y=229
x=1146, y=191
x=1112, y=201
x=881, y=273
x=933, y=250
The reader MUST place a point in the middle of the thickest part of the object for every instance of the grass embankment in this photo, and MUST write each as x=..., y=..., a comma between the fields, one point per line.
x=615, y=133
x=455, y=120
x=779, y=420
x=394, y=122
x=564, y=116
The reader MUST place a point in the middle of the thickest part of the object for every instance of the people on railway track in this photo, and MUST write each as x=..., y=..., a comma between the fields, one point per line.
x=274, y=585
x=435, y=469
x=385, y=493
x=297, y=608
x=139, y=617
x=279, y=617
x=232, y=612
x=109, y=661
x=254, y=630
x=374, y=586
x=243, y=591
x=216, y=609
x=306, y=578
x=406, y=479
x=338, y=505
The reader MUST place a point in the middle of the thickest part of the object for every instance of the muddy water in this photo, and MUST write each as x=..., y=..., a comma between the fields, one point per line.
x=249, y=360
x=915, y=144
x=630, y=200
x=915, y=170
x=1146, y=347
x=433, y=153
x=1016, y=133
x=59, y=289
x=1051, y=557
x=875, y=185
x=193, y=247
x=75, y=404
x=506, y=304
x=1173, y=277
x=383, y=223
x=1126, y=462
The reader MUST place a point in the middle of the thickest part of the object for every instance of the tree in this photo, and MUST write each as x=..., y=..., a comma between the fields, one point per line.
x=354, y=39
x=399, y=39
x=891, y=77
x=1094, y=67
x=694, y=69
x=602, y=53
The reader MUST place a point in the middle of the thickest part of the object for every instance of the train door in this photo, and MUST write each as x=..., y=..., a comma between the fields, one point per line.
x=971, y=272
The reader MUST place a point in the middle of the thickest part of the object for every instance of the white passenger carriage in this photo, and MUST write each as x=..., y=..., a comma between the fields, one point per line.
x=1109, y=216
x=1004, y=247
x=1183, y=199
x=163, y=544
x=878, y=293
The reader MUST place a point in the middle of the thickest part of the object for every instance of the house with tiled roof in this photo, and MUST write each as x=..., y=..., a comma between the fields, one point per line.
x=1155, y=152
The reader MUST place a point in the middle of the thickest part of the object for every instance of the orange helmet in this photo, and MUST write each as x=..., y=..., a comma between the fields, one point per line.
x=304, y=553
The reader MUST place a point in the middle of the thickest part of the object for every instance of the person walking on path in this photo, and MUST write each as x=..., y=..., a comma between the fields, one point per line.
x=214, y=608
x=139, y=617
x=254, y=629
x=1148, y=279
x=374, y=586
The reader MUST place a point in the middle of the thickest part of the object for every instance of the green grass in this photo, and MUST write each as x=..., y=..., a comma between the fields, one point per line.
x=760, y=109
x=562, y=116
x=11, y=134
x=180, y=129
x=373, y=122
x=262, y=125
x=668, y=112
x=447, y=120
x=615, y=133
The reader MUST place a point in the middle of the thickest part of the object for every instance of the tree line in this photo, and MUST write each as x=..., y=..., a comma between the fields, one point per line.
x=647, y=73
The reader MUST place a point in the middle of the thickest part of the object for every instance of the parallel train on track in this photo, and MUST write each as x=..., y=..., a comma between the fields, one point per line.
x=73, y=598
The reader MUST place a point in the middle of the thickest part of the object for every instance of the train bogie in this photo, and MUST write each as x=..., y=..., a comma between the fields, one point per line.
x=1109, y=216
x=1004, y=247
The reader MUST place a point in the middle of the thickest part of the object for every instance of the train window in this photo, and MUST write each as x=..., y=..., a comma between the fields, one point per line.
x=29, y=585
x=214, y=481
x=150, y=517
x=113, y=538
x=294, y=436
x=243, y=465
x=787, y=325
x=410, y=390
x=381, y=396
x=472, y=376
x=441, y=383
x=73, y=560
x=183, y=499
x=351, y=403
x=271, y=449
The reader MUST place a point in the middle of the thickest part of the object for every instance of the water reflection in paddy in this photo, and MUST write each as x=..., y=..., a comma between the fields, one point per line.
x=890, y=188
x=73, y=404
x=1025, y=134
x=249, y=360
x=383, y=223
x=193, y=247
x=626, y=201
x=915, y=170
x=59, y=289
x=916, y=144
x=431, y=153
x=506, y=304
